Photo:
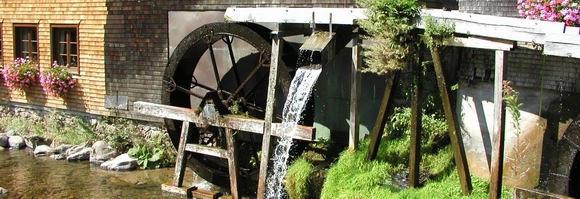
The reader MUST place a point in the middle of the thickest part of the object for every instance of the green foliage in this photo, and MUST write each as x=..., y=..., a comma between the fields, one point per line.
x=298, y=179
x=147, y=157
x=437, y=33
x=118, y=132
x=389, y=23
x=510, y=97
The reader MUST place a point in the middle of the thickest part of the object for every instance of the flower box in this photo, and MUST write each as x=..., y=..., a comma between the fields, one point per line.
x=21, y=75
x=57, y=81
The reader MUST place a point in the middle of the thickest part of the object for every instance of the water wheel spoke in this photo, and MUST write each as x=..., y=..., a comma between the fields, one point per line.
x=229, y=42
x=215, y=69
x=244, y=83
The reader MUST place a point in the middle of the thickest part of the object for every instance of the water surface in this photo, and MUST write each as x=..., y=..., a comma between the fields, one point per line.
x=25, y=176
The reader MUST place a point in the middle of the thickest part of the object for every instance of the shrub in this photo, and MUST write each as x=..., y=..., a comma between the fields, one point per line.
x=57, y=81
x=21, y=75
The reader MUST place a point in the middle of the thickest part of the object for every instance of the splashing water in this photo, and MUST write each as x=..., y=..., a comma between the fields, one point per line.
x=300, y=90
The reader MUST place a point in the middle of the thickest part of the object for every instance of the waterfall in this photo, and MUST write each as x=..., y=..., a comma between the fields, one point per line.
x=300, y=90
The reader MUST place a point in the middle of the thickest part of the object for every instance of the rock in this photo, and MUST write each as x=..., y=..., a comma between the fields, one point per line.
x=80, y=155
x=62, y=149
x=43, y=150
x=122, y=162
x=58, y=156
x=3, y=191
x=2, y=148
x=102, y=152
x=16, y=142
x=33, y=141
x=3, y=140
x=12, y=133
x=75, y=149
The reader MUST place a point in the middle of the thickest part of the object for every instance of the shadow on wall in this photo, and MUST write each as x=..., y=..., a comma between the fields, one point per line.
x=74, y=100
x=36, y=96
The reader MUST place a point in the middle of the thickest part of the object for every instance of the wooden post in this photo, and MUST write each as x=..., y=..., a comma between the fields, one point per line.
x=498, y=127
x=355, y=92
x=268, y=118
x=416, y=115
x=180, y=162
x=379, y=128
x=232, y=163
x=456, y=140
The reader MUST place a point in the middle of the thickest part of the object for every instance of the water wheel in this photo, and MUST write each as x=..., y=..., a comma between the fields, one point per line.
x=227, y=65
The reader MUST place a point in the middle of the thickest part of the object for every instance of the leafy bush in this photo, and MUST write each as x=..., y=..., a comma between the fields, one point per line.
x=57, y=81
x=389, y=23
x=21, y=75
x=147, y=157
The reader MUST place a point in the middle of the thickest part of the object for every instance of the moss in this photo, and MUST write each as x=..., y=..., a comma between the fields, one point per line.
x=298, y=179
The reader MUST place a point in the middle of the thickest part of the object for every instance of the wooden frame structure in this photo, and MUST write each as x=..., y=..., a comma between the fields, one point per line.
x=477, y=31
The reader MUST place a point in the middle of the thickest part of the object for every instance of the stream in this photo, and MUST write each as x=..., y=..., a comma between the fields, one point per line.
x=25, y=176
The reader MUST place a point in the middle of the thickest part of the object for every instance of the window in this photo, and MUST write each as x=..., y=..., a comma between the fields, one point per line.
x=65, y=46
x=26, y=41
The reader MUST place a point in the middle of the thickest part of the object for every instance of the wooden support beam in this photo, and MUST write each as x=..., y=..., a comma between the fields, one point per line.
x=306, y=133
x=233, y=163
x=482, y=43
x=382, y=117
x=456, y=140
x=564, y=45
x=416, y=115
x=180, y=162
x=277, y=43
x=207, y=150
x=498, y=127
x=355, y=91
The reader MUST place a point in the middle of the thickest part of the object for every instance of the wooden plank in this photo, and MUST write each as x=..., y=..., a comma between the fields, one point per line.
x=306, y=133
x=498, y=127
x=416, y=115
x=270, y=100
x=507, y=28
x=206, y=150
x=537, y=194
x=456, y=140
x=232, y=163
x=482, y=43
x=205, y=194
x=564, y=45
x=344, y=16
x=180, y=162
x=177, y=190
x=226, y=121
x=382, y=117
x=355, y=92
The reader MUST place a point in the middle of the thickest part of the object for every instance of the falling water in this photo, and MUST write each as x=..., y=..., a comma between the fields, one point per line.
x=300, y=90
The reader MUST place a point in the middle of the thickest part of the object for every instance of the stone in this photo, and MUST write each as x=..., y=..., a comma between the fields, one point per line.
x=3, y=191
x=62, y=149
x=80, y=155
x=102, y=152
x=75, y=149
x=43, y=150
x=123, y=162
x=3, y=140
x=58, y=156
x=33, y=141
x=16, y=142
x=12, y=133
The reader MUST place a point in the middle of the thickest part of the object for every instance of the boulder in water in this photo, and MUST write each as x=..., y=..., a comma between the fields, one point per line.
x=58, y=156
x=102, y=152
x=80, y=155
x=74, y=149
x=43, y=150
x=35, y=140
x=62, y=148
x=122, y=162
x=16, y=142
x=3, y=140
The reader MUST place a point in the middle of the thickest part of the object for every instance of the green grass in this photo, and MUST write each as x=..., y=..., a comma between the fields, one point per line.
x=298, y=178
x=353, y=177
